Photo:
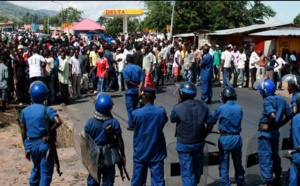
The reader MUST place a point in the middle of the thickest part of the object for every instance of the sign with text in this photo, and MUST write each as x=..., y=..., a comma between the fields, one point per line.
x=112, y=12
x=67, y=25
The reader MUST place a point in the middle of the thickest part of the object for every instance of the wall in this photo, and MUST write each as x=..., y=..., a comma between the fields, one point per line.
x=289, y=42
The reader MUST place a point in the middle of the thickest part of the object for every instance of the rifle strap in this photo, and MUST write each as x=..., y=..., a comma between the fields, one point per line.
x=46, y=119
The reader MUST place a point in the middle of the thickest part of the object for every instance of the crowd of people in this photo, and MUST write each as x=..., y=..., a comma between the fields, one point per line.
x=63, y=68
x=70, y=65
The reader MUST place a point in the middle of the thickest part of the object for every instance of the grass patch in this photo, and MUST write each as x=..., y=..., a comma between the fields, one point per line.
x=4, y=125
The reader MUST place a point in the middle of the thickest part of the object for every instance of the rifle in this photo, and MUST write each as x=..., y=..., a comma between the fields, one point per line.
x=109, y=131
x=51, y=139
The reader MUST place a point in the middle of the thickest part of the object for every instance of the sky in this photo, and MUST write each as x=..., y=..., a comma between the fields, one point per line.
x=286, y=10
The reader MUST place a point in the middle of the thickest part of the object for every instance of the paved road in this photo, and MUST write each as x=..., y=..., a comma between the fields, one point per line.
x=250, y=101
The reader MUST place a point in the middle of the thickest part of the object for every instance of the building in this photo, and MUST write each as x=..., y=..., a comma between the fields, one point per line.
x=242, y=36
x=88, y=28
x=285, y=38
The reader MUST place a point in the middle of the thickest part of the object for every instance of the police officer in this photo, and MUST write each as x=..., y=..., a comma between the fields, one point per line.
x=95, y=128
x=34, y=131
x=293, y=88
x=295, y=167
x=190, y=117
x=206, y=66
x=134, y=79
x=149, y=144
x=230, y=116
x=274, y=109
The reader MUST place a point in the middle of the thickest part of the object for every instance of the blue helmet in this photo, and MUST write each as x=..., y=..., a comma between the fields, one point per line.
x=266, y=87
x=103, y=103
x=187, y=90
x=38, y=92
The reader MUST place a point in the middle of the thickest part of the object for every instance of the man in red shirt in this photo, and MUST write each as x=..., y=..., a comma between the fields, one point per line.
x=102, y=71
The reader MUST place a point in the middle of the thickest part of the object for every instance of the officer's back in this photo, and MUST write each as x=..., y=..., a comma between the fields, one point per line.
x=148, y=136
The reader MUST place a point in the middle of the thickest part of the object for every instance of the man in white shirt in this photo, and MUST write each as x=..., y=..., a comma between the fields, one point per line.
x=277, y=71
x=254, y=58
x=176, y=64
x=235, y=59
x=120, y=58
x=242, y=66
x=49, y=77
x=75, y=64
x=226, y=63
x=189, y=61
x=36, y=63
x=63, y=77
x=148, y=66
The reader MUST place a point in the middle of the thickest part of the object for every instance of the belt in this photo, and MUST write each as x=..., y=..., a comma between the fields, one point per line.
x=229, y=134
x=34, y=138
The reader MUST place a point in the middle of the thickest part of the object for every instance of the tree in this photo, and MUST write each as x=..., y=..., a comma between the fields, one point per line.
x=46, y=26
x=70, y=15
x=114, y=26
x=158, y=15
x=297, y=20
x=213, y=15
x=102, y=20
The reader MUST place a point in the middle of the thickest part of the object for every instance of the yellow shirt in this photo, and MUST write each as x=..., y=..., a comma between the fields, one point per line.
x=94, y=55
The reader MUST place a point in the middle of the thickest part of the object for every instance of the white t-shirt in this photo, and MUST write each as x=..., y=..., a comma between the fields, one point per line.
x=122, y=62
x=254, y=58
x=280, y=62
x=227, y=57
x=35, y=65
x=242, y=59
x=75, y=62
x=178, y=57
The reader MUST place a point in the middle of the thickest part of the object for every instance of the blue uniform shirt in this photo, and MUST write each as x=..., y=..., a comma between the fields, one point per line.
x=33, y=118
x=274, y=104
x=207, y=67
x=294, y=99
x=296, y=136
x=96, y=129
x=149, y=141
x=230, y=116
x=135, y=74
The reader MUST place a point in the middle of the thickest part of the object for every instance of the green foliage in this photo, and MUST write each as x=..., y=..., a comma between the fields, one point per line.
x=158, y=15
x=70, y=15
x=297, y=20
x=102, y=20
x=45, y=27
x=13, y=11
x=190, y=16
x=114, y=26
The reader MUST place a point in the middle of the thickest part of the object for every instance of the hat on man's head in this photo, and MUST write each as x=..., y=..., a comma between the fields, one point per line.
x=100, y=50
x=20, y=47
x=217, y=46
x=149, y=90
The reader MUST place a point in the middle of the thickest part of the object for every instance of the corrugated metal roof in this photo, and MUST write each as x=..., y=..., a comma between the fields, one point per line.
x=246, y=29
x=279, y=32
x=185, y=35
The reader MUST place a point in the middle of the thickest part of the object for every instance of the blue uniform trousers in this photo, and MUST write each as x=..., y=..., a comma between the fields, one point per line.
x=140, y=169
x=230, y=145
x=206, y=89
x=107, y=177
x=191, y=164
x=269, y=160
x=42, y=171
x=131, y=104
x=294, y=174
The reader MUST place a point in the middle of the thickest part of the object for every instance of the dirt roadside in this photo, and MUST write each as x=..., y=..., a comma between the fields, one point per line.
x=15, y=169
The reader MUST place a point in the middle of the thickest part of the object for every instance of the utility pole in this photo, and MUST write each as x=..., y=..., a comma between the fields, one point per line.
x=172, y=18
